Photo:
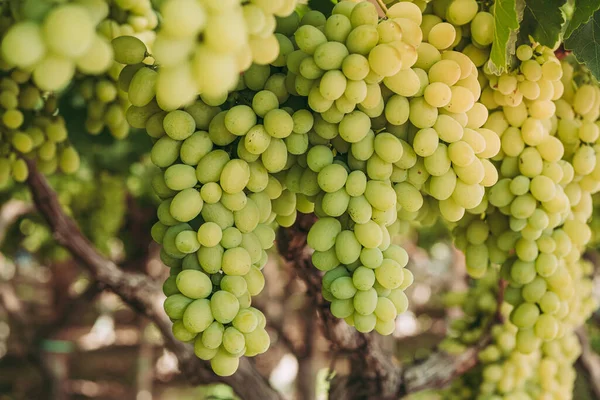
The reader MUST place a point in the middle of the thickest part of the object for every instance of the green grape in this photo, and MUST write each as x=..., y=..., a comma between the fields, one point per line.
x=343, y=288
x=448, y=129
x=527, y=342
x=380, y=195
x=274, y=158
x=223, y=363
x=362, y=39
x=212, y=337
x=209, y=234
x=438, y=94
x=129, y=50
x=355, y=67
x=257, y=341
x=245, y=321
x=332, y=178
x=422, y=115
x=169, y=240
x=181, y=333
x=425, y=142
x=169, y=287
x=194, y=284
x=308, y=38
x=405, y=82
x=368, y=234
x=69, y=160
x=53, y=73
x=342, y=308
x=164, y=214
x=482, y=30
x=356, y=183
x=371, y=258
x=385, y=60
x=186, y=242
x=330, y=56
x=224, y=306
x=158, y=232
x=322, y=234
x=525, y=315
x=186, y=205
x=23, y=44
x=385, y=310
x=442, y=35
x=438, y=163
x=210, y=258
x=347, y=248
x=68, y=30
x=363, y=278
x=365, y=301
x=175, y=305
x=335, y=204
x=360, y=210
x=397, y=110
x=364, y=323
x=255, y=280
x=201, y=351
x=388, y=147
x=445, y=71
x=354, y=126
x=142, y=88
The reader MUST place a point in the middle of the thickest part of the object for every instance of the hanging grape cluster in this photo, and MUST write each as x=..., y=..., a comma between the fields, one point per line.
x=371, y=118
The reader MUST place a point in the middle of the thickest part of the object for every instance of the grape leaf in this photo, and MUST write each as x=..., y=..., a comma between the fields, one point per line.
x=582, y=13
x=507, y=15
x=543, y=20
x=585, y=43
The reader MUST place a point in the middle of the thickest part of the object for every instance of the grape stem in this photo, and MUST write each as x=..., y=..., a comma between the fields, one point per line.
x=140, y=291
x=383, y=7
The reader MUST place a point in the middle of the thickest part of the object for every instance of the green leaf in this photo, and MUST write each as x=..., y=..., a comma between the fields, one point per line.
x=542, y=20
x=582, y=13
x=507, y=15
x=585, y=44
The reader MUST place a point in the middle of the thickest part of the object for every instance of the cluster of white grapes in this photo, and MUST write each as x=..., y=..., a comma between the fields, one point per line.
x=215, y=216
x=30, y=128
x=106, y=105
x=106, y=102
x=52, y=42
x=203, y=46
x=41, y=53
x=533, y=224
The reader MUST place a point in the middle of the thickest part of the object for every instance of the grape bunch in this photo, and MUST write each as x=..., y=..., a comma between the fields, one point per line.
x=106, y=105
x=214, y=219
x=203, y=46
x=31, y=128
x=528, y=212
x=577, y=114
x=104, y=99
x=505, y=369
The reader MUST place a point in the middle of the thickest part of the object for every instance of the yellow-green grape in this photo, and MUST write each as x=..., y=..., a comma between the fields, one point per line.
x=23, y=44
x=129, y=50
